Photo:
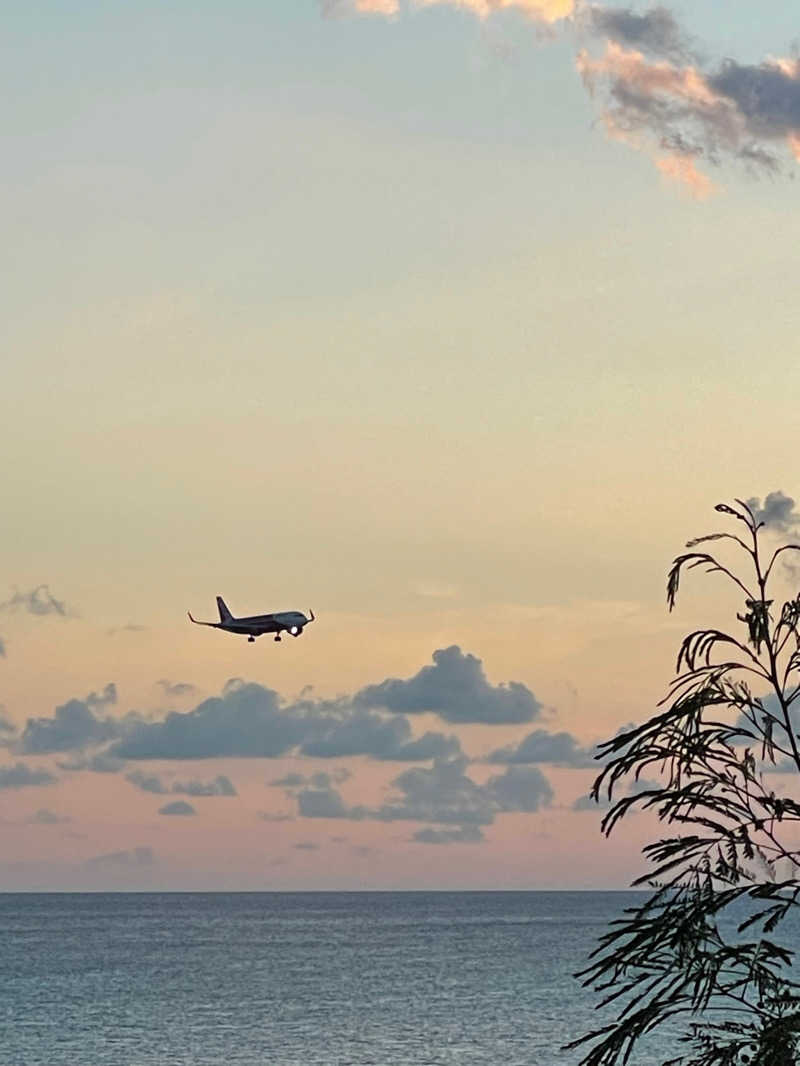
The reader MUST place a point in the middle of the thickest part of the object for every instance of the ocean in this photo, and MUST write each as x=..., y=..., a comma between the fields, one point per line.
x=298, y=979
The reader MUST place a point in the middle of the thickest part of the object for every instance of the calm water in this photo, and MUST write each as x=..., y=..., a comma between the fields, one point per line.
x=301, y=979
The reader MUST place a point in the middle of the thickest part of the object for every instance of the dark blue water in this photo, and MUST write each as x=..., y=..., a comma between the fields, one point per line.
x=302, y=979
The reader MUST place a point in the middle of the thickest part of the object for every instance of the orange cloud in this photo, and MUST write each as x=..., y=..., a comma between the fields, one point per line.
x=377, y=7
x=548, y=11
x=542, y=10
x=681, y=168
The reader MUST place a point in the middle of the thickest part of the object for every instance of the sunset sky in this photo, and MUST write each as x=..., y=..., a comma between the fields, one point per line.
x=449, y=319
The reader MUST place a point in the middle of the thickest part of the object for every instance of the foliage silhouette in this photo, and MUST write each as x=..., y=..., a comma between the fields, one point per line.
x=701, y=955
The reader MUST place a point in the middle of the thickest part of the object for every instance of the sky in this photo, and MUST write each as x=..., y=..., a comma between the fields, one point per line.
x=449, y=320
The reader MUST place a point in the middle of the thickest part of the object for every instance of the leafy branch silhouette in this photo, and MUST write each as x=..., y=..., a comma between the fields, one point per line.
x=701, y=954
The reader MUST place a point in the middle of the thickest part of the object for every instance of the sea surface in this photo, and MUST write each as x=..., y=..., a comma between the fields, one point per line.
x=298, y=979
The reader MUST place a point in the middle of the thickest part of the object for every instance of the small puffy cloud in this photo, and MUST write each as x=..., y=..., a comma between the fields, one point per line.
x=777, y=512
x=147, y=782
x=179, y=807
x=556, y=749
x=22, y=776
x=46, y=817
x=325, y=803
x=176, y=689
x=2, y=648
x=7, y=727
x=272, y=816
x=306, y=845
x=99, y=763
x=39, y=601
x=521, y=788
x=543, y=11
x=75, y=725
x=288, y=781
x=135, y=857
x=468, y=834
x=220, y=786
x=456, y=689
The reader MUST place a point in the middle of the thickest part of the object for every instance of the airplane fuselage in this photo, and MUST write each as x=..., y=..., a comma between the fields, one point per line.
x=292, y=622
x=258, y=624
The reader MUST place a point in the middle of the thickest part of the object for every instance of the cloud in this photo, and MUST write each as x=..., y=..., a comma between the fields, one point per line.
x=179, y=807
x=468, y=834
x=680, y=113
x=2, y=648
x=220, y=786
x=776, y=513
x=456, y=689
x=521, y=788
x=306, y=845
x=362, y=732
x=322, y=779
x=557, y=749
x=547, y=11
x=99, y=763
x=269, y=816
x=121, y=859
x=147, y=782
x=656, y=31
x=442, y=795
x=38, y=601
x=7, y=727
x=289, y=781
x=21, y=776
x=250, y=721
x=656, y=94
x=45, y=817
x=326, y=803
x=176, y=689
x=74, y=726
x=247, y=721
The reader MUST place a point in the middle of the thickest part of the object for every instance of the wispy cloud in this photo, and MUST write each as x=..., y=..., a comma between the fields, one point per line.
x=22, y=776
x=38, y=601
x=548, y=11
x=220, y=786
x=143, y=856
x=176, y=689
x=655, y=91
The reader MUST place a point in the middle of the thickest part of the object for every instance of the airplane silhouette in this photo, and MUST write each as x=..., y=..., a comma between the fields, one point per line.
x=292, y=622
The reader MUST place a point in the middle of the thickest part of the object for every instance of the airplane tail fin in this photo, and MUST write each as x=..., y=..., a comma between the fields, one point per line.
x=224, y=614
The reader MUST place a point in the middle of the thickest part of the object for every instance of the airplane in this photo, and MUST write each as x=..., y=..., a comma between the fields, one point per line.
x=291, y=622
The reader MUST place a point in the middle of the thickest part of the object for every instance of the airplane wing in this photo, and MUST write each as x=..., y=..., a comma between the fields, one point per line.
x=214, y=625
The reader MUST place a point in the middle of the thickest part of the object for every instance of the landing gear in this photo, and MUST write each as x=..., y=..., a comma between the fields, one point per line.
x=251, y=640
x=277, y=637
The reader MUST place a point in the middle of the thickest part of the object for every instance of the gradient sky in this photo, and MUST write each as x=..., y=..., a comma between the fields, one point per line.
x=451, y=323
